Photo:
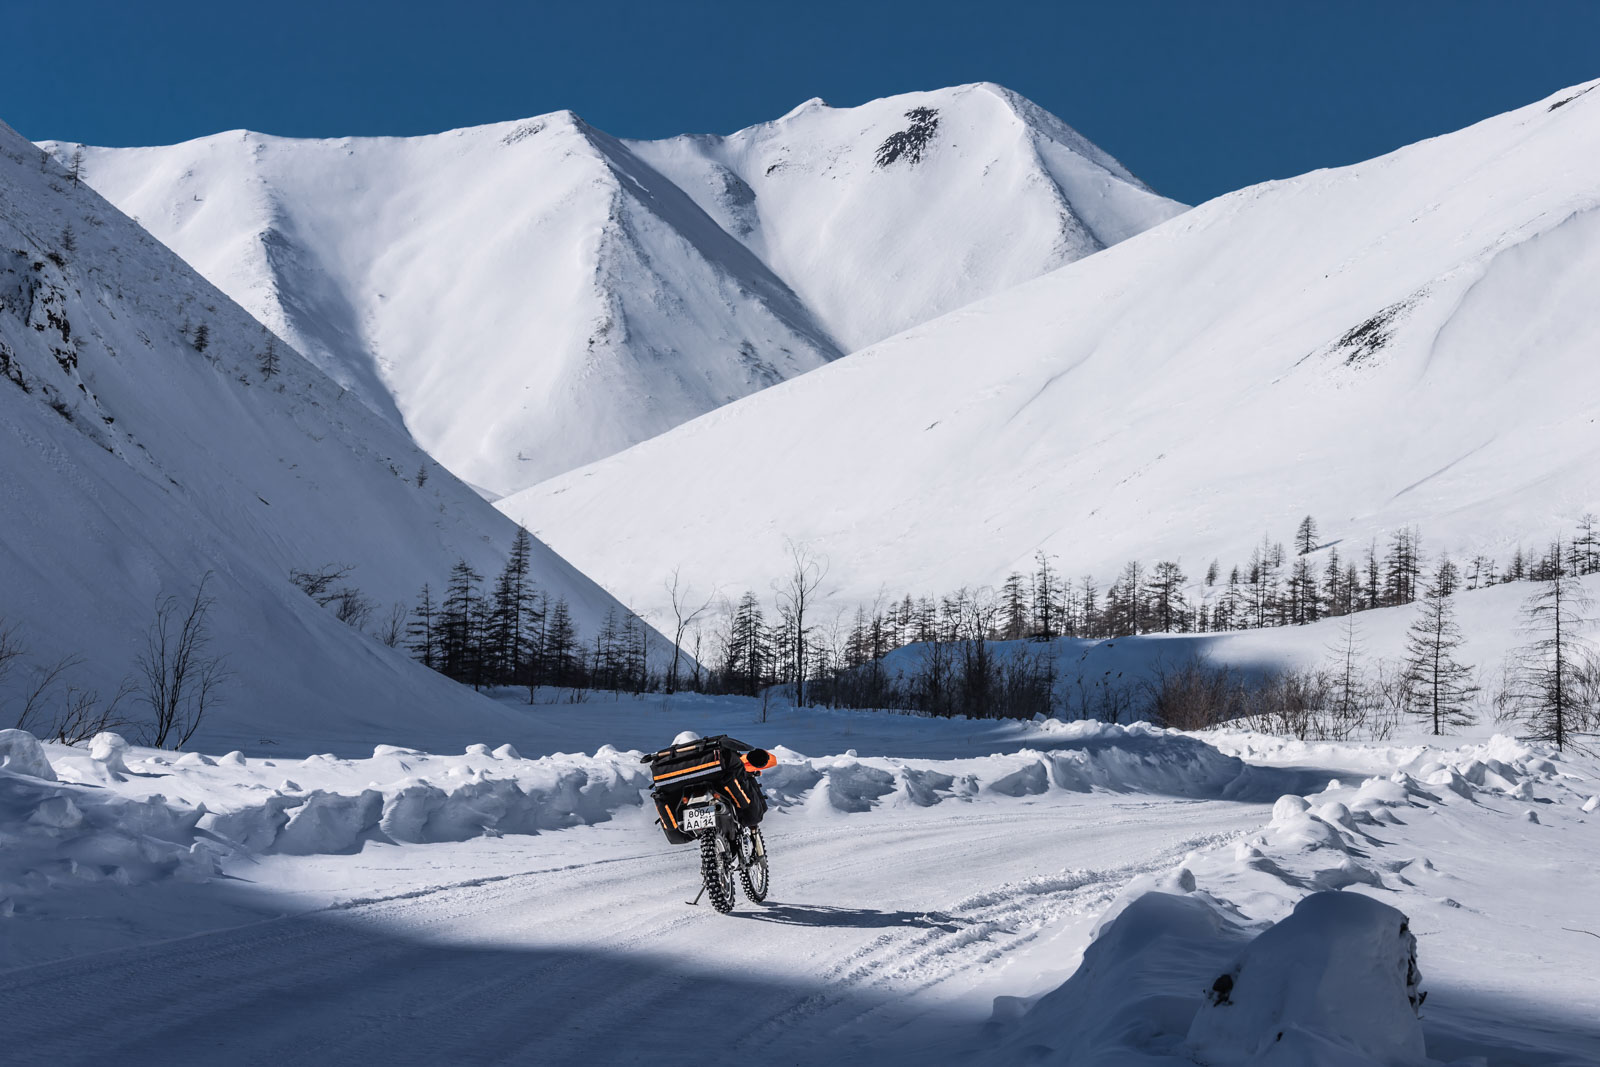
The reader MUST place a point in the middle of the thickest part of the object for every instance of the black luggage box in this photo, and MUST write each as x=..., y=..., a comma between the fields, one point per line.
x=709, y=765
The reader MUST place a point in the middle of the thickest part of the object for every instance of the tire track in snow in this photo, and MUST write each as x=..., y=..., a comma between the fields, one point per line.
x=975, y=932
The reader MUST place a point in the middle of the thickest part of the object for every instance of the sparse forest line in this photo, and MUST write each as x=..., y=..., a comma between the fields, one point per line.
x=988, y=654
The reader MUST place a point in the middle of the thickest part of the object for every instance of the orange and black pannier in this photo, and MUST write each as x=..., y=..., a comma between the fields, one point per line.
x=710, y=765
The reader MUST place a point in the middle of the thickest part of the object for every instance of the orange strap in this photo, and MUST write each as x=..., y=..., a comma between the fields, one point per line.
x=687, y=770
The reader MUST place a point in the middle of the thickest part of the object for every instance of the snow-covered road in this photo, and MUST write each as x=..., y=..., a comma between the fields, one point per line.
x=579, y=946
x=484, y=907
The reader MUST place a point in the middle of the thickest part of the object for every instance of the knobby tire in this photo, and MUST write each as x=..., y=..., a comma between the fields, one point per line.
x=718, y=879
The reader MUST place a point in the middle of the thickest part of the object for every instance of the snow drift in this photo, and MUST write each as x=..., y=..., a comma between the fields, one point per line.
x=128, y=814
x=1293, y=946
x=73, y=818
x=1335, y=982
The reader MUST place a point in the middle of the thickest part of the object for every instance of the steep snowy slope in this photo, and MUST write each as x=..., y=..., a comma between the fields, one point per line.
x=141, y=448
x=534, y=295
x=1405, y=341
x=888, y=214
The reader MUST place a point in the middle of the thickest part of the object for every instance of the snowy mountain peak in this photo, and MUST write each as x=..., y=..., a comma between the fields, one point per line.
x=1407, y=341
x=800, y=109
x=885, y=215
x=532, y=295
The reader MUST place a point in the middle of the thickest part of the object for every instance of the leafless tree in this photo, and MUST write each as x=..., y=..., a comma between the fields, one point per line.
x=694, y=675
x=83, y=714
x=322, y=585
x=351, y=608
x=267, y=361
x=392, y=627
x=36, y=693
x=11, y=649
x=1348, y=696
x=180, y=679
x=796, y=596
x=685, y=616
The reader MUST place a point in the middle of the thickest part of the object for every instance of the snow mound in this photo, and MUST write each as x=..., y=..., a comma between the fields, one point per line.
x=1082, y=757
x=21, y=753
x=134, y=814
x=1336, y=982
x=1175, y=975
x=131, y=815
x=53, y=834
x=1285, y=946
x=1120, y=1005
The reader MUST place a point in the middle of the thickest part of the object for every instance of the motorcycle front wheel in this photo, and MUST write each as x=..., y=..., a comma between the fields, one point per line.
x=753, y=864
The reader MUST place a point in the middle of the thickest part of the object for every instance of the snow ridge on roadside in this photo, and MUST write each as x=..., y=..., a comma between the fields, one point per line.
x=138, y=815
x=1157, y=948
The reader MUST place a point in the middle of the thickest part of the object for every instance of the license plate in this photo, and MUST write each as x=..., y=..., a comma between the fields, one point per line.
x=699, y=819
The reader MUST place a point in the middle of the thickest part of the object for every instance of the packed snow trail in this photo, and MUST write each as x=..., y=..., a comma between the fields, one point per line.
x=484, y=908
x=590, y=953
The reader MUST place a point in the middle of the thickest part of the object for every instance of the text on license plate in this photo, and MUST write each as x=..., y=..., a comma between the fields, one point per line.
x=699, y=818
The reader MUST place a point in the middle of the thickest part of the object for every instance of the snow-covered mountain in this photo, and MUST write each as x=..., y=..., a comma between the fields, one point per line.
x=530, y=296
x=892, y=213
x=1405, y=341
x=145, y=446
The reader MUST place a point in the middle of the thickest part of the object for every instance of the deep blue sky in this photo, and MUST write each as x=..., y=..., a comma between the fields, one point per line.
x=1197, y=98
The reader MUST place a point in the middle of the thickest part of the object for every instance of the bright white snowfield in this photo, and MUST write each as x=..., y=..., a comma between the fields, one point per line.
x=132, y=464
x=1408, y=341
x=358, y=861
x=943, y=892
x=534, y=295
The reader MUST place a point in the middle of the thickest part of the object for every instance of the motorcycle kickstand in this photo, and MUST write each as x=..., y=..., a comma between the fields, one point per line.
x=696, y=901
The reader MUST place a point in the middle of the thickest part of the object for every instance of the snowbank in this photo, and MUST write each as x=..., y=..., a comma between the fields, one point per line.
x=1293, y=946
x=1137, y=989
x=1073, y=757
x=1335, y=982
x=1173, y=972
x=139, y=815
x=53, y=833
x=135, y=815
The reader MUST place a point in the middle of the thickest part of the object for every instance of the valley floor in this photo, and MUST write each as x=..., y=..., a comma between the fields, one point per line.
x=921, y=870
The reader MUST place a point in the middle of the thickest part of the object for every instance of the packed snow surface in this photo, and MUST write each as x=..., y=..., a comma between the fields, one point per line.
x=138, y=455
x=1038, y=892
x=1407, y=341
x=534, y=295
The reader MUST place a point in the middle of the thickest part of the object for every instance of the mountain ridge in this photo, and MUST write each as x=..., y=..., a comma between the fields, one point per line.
x=529, y=295
x=1392, y=343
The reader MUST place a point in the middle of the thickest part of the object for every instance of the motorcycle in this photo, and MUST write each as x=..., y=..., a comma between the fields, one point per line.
x=705, y=791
